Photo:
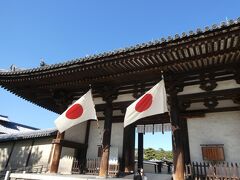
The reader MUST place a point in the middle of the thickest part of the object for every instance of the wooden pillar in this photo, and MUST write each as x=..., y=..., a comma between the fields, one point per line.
x=56, y=154
x=177, y=135
x=108, y=97
x=62, y=101
x=187, y=159
x=129, y=149
x=140, y=150
x=87, y=132
x=86, y=143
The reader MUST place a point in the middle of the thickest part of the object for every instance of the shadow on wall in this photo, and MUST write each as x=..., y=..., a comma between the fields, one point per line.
x=23, y=157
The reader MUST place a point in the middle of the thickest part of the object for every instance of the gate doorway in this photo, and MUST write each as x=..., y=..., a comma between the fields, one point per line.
x=153, y=148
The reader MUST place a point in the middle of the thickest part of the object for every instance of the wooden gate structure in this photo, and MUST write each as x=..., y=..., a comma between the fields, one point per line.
x=203, y=57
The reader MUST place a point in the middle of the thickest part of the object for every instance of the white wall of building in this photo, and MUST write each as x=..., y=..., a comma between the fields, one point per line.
x=39, y=154
x=117, y=137
x=95, y=138
x=215, y=128
x=66, y=161
x=19, y=155
x=76, y=133
x=5, y=149
x=41, y=151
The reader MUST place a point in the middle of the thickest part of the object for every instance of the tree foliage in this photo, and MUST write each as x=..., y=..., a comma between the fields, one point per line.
x=150, y=154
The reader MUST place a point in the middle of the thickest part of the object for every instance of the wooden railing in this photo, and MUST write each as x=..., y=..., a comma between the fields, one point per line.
x=226, y=171
x=93, y=167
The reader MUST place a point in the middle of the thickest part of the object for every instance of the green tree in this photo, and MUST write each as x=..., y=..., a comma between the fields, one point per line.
x=149, y=154
x=159, y=154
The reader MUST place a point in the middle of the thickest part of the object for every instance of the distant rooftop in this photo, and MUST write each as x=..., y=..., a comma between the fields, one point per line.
x=4, y=118
x=9, y=127
x=11, y=131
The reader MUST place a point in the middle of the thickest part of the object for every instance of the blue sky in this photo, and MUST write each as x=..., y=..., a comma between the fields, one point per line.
x=58, y=30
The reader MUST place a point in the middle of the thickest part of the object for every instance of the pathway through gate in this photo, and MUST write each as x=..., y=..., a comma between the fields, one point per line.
x=154, y=149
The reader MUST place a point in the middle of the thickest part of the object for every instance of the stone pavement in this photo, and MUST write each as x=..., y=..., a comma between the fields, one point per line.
x=150, y=176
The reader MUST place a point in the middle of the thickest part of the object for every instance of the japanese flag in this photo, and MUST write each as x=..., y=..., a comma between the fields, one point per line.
x=82, y=110
x=151, y=103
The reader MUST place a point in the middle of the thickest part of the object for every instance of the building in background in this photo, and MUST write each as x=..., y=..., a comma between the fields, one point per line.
x=26, y=149
x=9, y=127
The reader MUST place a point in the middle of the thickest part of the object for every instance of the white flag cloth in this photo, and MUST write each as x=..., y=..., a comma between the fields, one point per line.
x=151, y=103
x=82, y=110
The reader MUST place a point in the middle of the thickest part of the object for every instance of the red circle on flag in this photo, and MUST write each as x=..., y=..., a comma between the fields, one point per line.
x=74, y=112
x=144, y=103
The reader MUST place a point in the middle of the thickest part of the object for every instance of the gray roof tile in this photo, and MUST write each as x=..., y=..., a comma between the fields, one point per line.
x=28, y=135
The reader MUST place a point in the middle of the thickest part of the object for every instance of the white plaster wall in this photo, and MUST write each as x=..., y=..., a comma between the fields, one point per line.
x=65, y=164
x=40, y=152
x=19, y=155
x=117, y=137
x=76, y=133
x=124, y=97
x=5, y=149
x=215, y=128
x=95, y=136
x=98, y=100
x=117, y=113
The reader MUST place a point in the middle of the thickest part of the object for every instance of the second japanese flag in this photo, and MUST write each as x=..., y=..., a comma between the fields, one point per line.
x=151, y=103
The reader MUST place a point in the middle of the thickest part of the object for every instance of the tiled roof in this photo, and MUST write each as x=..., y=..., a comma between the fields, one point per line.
x=28, y=135
x=132, y=49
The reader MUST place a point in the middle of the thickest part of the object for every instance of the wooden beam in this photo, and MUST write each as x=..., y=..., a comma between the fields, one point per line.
x=155, y=119
x=129, y=149
x=140, y=150
x=192, y=114
x=56, y=154
x=84, y=153
x=87, y=132
x=178, y=148
x=187, y=157
x=202, y=112
x=227, y=92
x=108, y=96
x=67, y=143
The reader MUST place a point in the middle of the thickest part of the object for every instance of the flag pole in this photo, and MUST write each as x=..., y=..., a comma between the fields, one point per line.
x=162, y=74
